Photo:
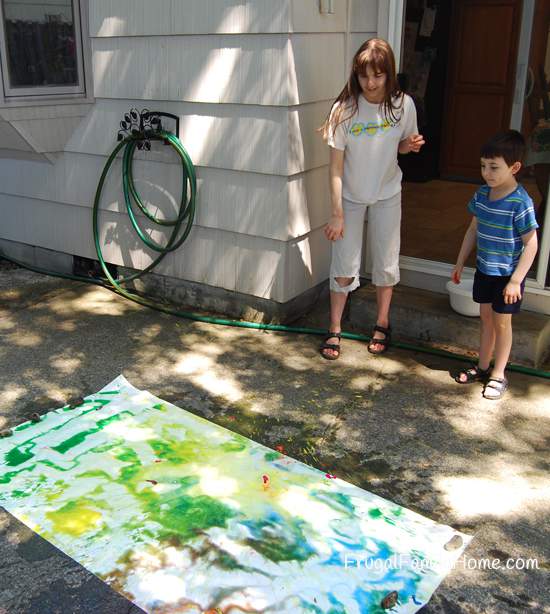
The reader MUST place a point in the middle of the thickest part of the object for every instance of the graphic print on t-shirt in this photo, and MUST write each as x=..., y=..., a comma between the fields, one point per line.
x=370, y=129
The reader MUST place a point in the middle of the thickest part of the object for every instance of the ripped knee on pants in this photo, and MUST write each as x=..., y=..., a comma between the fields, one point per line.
x=343, y=284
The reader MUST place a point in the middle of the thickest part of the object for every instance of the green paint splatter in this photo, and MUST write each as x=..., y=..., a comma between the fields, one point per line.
x=77, y=439
x=187, y=516
x=280, y=540
x=335, y=500
x=17, y=457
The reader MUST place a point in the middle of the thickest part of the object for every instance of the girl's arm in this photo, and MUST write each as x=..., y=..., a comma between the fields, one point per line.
x=412, y=143
x=334, y=230
x=512, y=291
x=468, y=244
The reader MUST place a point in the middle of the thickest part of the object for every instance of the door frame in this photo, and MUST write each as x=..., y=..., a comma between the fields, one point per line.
x=433, y=275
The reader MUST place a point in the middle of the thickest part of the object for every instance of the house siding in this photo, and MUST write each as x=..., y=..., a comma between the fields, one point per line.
x=250, y=82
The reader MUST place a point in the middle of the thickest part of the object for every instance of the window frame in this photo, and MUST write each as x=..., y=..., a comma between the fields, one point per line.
x=43, y=95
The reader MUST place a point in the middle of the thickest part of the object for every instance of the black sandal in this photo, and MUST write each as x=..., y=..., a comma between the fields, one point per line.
x=384, y=342
x=473, y=374
x=499, y=384
x=331, y=346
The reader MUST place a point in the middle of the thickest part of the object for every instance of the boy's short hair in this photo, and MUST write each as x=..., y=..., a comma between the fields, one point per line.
x=508, y=144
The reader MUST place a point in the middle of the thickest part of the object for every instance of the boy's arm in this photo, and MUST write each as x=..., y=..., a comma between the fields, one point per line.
x=512, y=291
x=468, y=244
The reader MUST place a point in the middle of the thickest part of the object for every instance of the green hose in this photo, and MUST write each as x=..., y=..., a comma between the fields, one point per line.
x=186, y=210
x=185, y=218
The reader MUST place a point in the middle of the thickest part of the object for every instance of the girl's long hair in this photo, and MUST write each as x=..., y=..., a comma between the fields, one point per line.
x=377, y=54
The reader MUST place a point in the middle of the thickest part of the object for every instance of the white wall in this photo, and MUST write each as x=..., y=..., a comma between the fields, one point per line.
x=251, y=81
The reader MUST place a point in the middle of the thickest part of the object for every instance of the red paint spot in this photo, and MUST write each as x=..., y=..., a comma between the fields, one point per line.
x=280, y=449
x=330, y=476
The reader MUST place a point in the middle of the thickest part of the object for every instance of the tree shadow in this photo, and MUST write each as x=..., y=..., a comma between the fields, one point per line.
x=391, y=424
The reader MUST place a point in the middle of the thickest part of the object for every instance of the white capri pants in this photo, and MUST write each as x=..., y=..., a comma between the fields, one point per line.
x=383, y=239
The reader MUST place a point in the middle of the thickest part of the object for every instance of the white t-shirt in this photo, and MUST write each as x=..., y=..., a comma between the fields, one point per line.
x=370, y=143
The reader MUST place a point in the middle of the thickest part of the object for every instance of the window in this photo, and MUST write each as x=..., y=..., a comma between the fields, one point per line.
x=41, y=48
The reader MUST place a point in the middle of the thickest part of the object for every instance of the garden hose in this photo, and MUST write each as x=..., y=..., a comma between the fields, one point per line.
x=184, y=219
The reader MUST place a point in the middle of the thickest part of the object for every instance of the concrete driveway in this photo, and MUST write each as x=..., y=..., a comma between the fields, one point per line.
x=395, y=425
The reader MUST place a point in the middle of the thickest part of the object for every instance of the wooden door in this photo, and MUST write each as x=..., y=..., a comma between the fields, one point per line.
x=480, y=82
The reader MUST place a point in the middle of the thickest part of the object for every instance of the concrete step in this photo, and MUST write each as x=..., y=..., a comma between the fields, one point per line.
x=426, y=318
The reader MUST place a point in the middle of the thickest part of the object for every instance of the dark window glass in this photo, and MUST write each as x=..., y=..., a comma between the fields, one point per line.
x=41, y=43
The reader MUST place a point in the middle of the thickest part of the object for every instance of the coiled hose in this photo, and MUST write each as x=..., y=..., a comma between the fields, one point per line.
x=184, y=219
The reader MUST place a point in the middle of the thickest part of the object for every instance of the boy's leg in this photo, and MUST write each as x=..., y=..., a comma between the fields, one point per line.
x=486, y=346
x=503, y=342
x=502, y=320
x=497, y=383
x=487, y=335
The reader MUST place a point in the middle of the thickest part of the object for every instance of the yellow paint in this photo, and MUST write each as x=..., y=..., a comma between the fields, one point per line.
x=76, y=520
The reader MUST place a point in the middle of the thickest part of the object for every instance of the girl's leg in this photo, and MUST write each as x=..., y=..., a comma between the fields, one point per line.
x=344, y=268
x=383, y=301
x=337, y=305
x=503, y=342
x=384, y=238
x=487, y=335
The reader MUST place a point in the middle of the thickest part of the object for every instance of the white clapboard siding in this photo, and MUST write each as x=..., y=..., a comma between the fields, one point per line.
x=243, y=69
x=316, y=66
x=307, y=262
x=11, y=139
x=306, y=17
x=251, y=265
x=308, y=202
x=272, y=140
x=251, y=81
x=214, y=135
x=269, y=206
x=364, y=16
x=165, y=17
x=306, y=147
x=47, y=135
x=44, y=128
x=268, y=69
x=44, y=111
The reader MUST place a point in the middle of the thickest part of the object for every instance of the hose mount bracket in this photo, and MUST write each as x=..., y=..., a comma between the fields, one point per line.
x=144, y=124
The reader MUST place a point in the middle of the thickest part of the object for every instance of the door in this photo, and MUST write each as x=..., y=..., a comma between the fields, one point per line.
x=481, y=80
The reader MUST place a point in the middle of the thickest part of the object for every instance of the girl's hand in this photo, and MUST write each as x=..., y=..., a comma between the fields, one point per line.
x=334, y=230
x=512, y=292
x=457, y=273
x=412, y=143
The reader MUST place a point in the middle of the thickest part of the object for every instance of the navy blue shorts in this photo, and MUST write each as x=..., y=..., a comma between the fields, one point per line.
x=489, y=289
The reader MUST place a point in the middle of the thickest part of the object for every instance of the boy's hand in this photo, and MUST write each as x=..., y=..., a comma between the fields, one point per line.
x=512, y=292
x=334, y=230
x=457, y=273
x=412, y=143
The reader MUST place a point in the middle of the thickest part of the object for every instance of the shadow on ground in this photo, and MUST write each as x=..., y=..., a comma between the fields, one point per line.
x=396, y=425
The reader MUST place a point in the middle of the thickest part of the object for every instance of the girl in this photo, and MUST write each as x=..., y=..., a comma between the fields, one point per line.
x=369, y=123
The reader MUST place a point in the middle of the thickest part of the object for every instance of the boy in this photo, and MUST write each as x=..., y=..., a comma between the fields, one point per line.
x=504, y=228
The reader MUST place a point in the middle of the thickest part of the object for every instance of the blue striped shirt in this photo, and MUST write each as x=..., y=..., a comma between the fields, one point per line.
x=500, y=224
